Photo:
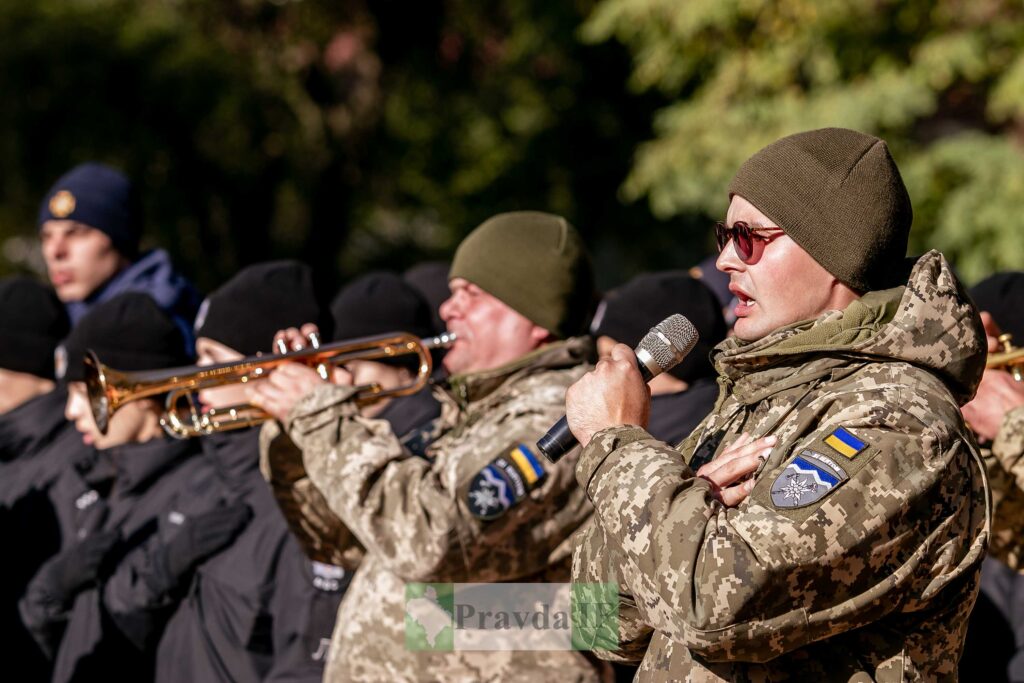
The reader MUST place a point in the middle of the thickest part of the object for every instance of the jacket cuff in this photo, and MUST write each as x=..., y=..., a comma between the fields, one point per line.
x=321, y=407
x=1008, y=446
x=602, y=445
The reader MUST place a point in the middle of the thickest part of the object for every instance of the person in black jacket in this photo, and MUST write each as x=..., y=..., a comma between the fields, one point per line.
x=137, y=512
x=253, y=610
x=32, y=323
x=683, y=396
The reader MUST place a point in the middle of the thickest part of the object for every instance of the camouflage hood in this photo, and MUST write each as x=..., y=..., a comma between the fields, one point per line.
x=930, y=322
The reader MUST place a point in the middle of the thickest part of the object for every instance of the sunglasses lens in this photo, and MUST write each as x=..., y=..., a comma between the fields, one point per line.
x=744, y=240
x=721, y=235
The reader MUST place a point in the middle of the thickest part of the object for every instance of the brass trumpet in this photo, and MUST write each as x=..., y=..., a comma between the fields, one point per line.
x=109, y=389
x=1011, y=358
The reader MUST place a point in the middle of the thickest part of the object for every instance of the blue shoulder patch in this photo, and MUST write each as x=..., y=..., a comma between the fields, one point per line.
x=504, y=482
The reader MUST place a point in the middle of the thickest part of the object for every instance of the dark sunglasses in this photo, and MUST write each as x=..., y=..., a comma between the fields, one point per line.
x=745, y=238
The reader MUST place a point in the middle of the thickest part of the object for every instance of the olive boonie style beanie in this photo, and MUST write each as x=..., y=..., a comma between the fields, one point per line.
x=839, y=195
x=536, y=264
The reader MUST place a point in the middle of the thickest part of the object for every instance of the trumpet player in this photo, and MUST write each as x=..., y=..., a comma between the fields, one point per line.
x=478, y=505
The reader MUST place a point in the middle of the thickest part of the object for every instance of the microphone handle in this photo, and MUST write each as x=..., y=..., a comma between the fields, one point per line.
x=560, y=440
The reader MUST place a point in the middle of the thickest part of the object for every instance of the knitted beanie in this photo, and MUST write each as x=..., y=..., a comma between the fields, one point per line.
x=838, y=194
x=536, y=264
x=32, y=323
x=100, y=197
x=128, y=332
x=246, y=311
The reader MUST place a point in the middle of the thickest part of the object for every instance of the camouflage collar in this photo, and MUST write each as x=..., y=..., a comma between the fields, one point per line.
x=471, y=387
x=929, y=322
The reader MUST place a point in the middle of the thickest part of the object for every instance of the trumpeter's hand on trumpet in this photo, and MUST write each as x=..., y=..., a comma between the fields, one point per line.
x=287, y=383
x=999, y=392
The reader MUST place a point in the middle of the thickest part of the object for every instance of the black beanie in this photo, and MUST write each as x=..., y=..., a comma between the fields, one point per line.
x=838, y=194
x=100, y=197
x=629, y=311
x=32, y=323
x=128, y=332
x=1001, y=295
x=377, y=303
x=431, y=280
x=246, y=312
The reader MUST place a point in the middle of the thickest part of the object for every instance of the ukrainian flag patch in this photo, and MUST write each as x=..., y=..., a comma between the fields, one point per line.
x=845, y=443
x=528, y=464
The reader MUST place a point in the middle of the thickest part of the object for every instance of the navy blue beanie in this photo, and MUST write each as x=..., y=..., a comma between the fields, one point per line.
x=100, y=197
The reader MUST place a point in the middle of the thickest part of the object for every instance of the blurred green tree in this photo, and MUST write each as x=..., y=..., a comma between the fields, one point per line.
x=941, y=80
x=350, y=135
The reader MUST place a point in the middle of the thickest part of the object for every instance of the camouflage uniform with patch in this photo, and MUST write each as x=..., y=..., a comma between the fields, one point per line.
x=478, y=507
x=857, y=554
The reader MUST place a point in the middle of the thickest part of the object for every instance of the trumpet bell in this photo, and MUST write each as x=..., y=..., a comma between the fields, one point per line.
x=96, y=386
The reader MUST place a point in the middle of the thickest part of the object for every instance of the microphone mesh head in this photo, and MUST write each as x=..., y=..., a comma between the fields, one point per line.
x=669, y=341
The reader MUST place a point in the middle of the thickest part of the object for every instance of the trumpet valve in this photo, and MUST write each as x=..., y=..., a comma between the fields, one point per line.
x=1006, y=340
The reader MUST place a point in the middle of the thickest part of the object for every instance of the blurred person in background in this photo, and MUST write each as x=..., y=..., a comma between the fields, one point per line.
x=32, y=323
x=717, y=282
x=683, y=396
x=137, y=513
x=90, y=223
x=995, y=639
x=257, y=605
x=430, y=279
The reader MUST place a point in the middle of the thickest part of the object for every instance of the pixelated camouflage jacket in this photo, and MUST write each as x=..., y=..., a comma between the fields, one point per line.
x=857, y=554
x=414, y=519
x=1005, y=463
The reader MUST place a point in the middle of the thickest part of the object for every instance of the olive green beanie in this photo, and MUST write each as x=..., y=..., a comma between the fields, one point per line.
x=839, y=195
x=536, y=264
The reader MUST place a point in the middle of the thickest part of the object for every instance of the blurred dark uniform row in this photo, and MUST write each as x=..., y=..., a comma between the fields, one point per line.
x=141, y=557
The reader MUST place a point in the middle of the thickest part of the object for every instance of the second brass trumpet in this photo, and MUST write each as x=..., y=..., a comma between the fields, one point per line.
x=109, y=389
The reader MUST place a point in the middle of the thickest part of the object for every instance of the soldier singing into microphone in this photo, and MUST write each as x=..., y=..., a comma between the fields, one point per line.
x=847, y=539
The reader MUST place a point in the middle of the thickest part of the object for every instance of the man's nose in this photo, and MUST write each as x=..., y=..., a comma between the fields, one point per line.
x=728, y=260
x=55, y=247
x=447, y=310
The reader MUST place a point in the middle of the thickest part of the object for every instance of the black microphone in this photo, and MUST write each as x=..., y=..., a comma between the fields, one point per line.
x=661, y=349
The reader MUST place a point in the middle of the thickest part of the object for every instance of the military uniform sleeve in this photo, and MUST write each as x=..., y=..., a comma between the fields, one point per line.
x=322, y=535
x=417, y=516
x=1008, y=446
x=798, y=561
x=595, y=560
